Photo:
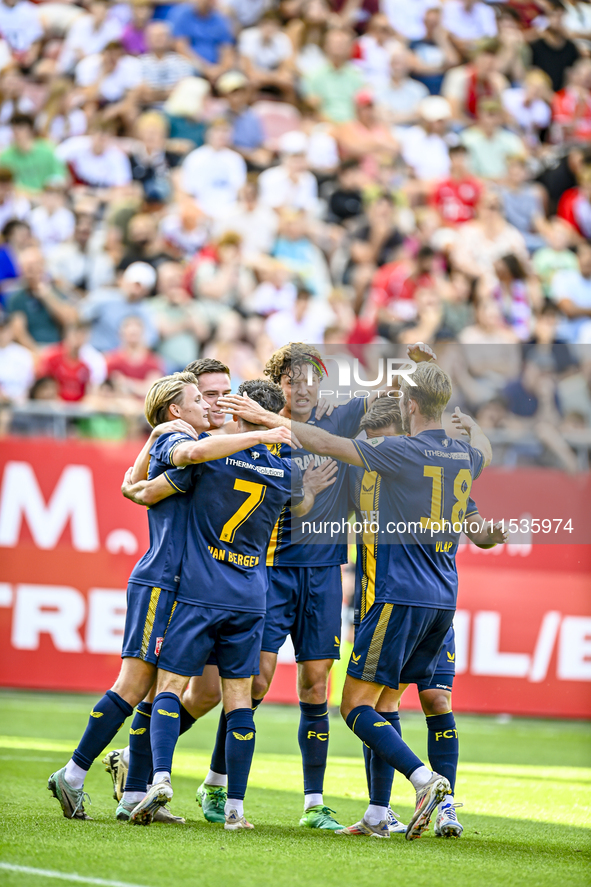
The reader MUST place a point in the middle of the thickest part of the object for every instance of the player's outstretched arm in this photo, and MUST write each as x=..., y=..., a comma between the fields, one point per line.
x=220, y=446
x=316, y=479
x=146, y=492
x=140, y=466
x=483, y=533
x=318, y=441
x=476, y=435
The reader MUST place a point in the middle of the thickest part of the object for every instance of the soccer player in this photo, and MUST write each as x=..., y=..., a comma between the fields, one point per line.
x=383, y=419
x=154, y=579
x=220, y=604
x=425, y=482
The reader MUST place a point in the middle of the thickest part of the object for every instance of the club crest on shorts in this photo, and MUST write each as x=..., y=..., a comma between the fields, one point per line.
x=158, y=646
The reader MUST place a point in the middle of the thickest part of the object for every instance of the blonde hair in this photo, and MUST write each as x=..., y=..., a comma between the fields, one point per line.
x=151, y=118
x=163, y=393
x=431, y=391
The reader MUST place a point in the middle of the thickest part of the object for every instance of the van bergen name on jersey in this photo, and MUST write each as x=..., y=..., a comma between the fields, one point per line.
x=232, y=557
x=463, y=456
x=262, y=469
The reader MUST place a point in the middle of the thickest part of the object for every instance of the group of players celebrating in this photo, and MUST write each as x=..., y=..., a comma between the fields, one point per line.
x=235, y=565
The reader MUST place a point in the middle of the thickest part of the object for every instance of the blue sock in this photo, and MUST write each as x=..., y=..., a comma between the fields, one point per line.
x=187, y=720
x=382, y=773
x=443, y=745
x=255, y=702
x=367, y=753
x=218, y=757
x=140, y=750
x=239, y=750
x=313, y=735
x=164, y=730
x=382, y=738
x=105, y=719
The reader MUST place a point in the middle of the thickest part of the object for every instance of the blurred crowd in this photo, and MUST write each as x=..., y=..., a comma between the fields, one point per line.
x=219, y=177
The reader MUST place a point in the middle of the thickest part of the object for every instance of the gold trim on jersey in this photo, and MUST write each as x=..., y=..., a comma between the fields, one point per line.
x=275, y=540
x=377, y=642
x=369, y=499
x=149, y=623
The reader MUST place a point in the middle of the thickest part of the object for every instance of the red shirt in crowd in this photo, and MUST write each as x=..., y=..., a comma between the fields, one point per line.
x=71, y=374
x=573, y=112
x=119, y=362
x=456, y=200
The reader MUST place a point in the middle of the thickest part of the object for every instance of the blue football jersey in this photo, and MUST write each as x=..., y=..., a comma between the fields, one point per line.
x=234, y=509
x=160, y=566
x=415, y=505
x=292, y=543
x=364, y=491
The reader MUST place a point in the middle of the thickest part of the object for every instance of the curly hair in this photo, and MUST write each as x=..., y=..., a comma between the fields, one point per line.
x=267, y=394
x=288, y=359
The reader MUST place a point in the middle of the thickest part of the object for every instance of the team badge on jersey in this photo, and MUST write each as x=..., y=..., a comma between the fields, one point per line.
x=375, y=441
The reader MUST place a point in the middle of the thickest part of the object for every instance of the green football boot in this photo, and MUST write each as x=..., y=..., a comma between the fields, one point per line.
x=212, y=800
x=71, y=799
x=320, y=817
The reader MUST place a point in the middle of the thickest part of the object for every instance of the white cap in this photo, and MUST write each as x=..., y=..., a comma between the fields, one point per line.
x=294, y=142
x=142, y=273
x=434, y=107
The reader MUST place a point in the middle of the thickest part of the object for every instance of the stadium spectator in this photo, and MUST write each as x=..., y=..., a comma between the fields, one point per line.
x=266, y=56
x=95, y=159
x=295, y=249
x=133, y=38
x=556, y=256
x=160, y=67
x=204, y=36
x=52, y=221
x=487, y=238
x=65, y=363
x=252, y=220
x=523, y=203
x=291, y=184
x=184, y=109
x=432, y=53
x=214, y=174
x=21, y=26
x=423, y=146
x=178, y=318
x=12, y=206
x=571, y=290
x=132, y=367
x=331, y=88
x=372, y=52
x=247, y=130
x=574, y=205
x=366, y=138
x=400, y=96
x=80, y=264
x=456, y=197
x=554, y=52
x=302, y=321
x=151, y=158
x=467, y=22
x=571, y=108
x=32, y=161
x=107, y=307
x=89, y=35
x=489, y=144
x=466, y=85
x=528, y=106
x=17, y=366
x=16, y=236
x=39, y=312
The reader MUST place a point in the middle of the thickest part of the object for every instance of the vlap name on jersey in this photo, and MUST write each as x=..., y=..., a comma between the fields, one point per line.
x=304, y=461
x=260, y=469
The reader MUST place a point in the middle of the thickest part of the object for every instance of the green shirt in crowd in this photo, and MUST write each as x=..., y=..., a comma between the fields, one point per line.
x=33, y=169
x=336, y=89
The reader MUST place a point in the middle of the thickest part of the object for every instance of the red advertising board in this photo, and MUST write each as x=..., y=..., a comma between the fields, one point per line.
x=68, y=541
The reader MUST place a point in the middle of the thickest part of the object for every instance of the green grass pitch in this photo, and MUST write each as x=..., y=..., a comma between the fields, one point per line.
x=525, y=785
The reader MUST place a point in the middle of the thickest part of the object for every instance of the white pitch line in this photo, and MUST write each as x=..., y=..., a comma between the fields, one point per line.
x=63, y=876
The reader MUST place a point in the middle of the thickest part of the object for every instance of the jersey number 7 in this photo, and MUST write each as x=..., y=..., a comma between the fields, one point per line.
x=256, y=494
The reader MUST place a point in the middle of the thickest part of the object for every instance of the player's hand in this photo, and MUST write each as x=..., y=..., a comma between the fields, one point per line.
x=319, y=478
x=176, y=425
x=498, y=535
x=244, y=407
x=462, y=421
x=277, y=435
x=419, y=352
x=324, y=408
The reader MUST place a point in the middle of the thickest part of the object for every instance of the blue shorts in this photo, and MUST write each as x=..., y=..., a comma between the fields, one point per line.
x=397, y=644
x=146, y=620
x=195, y=632
x=445, y=670
x=306, y=603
